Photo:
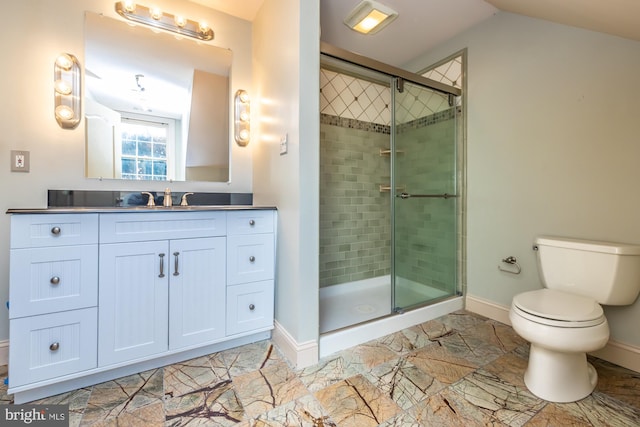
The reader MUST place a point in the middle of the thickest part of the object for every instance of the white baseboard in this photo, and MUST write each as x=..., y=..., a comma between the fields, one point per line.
x=4, y=352
x=625, y=355
x=488, y=309
x=300, y=355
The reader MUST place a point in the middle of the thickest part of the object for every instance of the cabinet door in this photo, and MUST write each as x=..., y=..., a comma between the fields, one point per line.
x=196, y=291
x=133, y=301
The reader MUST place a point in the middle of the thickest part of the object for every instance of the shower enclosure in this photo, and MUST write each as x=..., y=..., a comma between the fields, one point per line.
x=389, y=193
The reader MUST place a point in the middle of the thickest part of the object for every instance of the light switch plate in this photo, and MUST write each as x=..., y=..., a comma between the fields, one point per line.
x=19, y=161
x=284, y=144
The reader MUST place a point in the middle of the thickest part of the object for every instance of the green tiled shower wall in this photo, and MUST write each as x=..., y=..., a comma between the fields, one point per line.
x=355, y=217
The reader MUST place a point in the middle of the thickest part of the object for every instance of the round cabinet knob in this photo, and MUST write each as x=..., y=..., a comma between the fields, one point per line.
x=252, y=307
x=252, y=258
x=252, y=222
x=54, y=346
x=55, y=280
x=55, y=231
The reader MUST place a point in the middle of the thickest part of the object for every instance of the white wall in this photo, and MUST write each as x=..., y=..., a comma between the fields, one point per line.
x=36, y=33
x=286, y=79
x=553, y=147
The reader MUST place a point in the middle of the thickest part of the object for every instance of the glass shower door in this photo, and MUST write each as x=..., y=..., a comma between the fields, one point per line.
x=425, y=200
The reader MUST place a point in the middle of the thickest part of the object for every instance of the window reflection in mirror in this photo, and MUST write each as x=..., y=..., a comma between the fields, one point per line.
x=156, y=105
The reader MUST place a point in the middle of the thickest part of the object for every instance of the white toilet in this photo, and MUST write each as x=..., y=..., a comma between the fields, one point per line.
x=564, y=321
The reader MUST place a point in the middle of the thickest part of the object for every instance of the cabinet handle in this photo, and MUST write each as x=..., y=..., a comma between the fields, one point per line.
x=55, y=280
x=175, y=263
x=252, y=258
x=55, y=346
x=161, y=265
x=56, y=231
x=252, y=307
x=252, y=222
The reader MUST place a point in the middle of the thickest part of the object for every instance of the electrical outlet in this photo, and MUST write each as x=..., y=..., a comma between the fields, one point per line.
x=19, y=161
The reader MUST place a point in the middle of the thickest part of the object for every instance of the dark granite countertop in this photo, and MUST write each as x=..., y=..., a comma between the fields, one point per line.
x=137, y=209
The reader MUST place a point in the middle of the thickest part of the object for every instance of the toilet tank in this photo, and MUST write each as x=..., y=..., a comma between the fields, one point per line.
x=605, y=271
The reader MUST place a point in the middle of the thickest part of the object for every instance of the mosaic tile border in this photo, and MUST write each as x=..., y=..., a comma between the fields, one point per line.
x=343, y=122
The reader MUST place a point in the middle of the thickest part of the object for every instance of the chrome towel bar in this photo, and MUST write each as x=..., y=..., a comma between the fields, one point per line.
x=441, y=196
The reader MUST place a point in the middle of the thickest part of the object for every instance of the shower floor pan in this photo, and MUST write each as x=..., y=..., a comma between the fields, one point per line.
x=351, y=303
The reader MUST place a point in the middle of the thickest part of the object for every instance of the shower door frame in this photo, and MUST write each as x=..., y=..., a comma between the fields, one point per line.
x=394, y=74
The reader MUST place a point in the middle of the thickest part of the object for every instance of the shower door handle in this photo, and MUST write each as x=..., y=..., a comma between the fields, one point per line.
x=437, y=196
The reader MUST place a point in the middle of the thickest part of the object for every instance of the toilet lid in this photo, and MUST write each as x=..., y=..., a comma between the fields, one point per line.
x=557, y=305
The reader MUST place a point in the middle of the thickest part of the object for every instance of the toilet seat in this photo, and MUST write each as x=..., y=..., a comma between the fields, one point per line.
x=559, y=309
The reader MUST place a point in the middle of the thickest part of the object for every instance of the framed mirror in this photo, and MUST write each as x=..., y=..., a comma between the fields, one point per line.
x=156, y=105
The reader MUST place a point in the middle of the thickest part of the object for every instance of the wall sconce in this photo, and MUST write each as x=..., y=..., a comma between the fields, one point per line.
x=242, y=119
x=369, y=17
x=156, y=18
x=66, y=86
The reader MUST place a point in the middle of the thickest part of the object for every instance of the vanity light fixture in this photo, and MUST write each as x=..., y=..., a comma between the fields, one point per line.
x=66, y=89
x=369, y=17
x=155, y=17
x=242, y=118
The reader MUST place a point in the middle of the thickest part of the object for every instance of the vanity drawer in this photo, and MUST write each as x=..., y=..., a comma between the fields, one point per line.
x=52, y=345
x=250, y=258
x=249, y=307
x=46, y=280
x=250, y=222
x=136, y=227
x=31, y=231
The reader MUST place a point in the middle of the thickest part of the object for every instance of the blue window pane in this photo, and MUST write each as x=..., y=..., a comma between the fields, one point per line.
x=128, y=166
x=160, y=150
x=129, y=147
x=145, y=167
x=144, y=149
x=159, y=168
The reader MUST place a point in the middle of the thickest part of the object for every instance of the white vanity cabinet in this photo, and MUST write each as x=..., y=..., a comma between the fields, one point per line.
x=95, y=296
x=159, y=273
x=54, y=289
x=250, y=269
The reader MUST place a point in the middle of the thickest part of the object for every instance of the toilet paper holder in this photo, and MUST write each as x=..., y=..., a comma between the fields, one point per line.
x=513, y=262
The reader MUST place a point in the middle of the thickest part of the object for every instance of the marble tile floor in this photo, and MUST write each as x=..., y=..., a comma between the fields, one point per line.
x=458, y=370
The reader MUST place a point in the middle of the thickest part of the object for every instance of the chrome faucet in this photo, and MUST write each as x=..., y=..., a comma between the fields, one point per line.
x=167, y=202
x=151, y=201
x=184, y=202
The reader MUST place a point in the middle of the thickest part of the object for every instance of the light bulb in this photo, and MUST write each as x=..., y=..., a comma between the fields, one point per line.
x=180, y=21
x=64, y=61
x=62, y=87
x=155, y=13
x=129, y=6
x=203, y=26
x=244, y=134
x=244, y=116
x=244, y=96
x=64, y=112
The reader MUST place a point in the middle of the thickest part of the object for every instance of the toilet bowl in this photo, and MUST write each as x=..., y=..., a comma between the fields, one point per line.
x=561, y=328
x=564, y=321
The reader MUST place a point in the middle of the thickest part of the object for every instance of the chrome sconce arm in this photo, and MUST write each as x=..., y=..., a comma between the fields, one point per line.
x=67, y=93
x=242, y=118
x=154, y=17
